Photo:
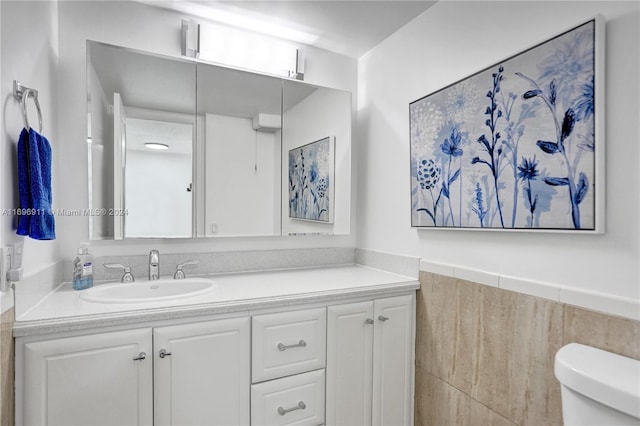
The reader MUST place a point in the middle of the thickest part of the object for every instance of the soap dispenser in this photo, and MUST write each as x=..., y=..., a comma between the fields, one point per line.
x=83, y=268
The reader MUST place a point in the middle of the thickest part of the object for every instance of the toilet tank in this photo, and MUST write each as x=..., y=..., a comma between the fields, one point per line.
x=598, y=387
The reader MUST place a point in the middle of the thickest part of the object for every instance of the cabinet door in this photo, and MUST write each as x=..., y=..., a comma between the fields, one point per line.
x=203, y=378
x=349, y=363
x=101, y=379
x=393, y=357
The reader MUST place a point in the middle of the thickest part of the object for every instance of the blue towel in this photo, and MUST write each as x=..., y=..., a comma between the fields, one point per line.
x=34, y=186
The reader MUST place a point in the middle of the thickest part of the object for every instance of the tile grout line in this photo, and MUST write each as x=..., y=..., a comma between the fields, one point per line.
x=471, y=398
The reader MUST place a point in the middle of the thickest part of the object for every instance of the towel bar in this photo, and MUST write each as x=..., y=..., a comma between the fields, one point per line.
x=21, y=93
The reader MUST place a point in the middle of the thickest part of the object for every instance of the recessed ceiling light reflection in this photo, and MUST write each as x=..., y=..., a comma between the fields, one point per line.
x=156, y=146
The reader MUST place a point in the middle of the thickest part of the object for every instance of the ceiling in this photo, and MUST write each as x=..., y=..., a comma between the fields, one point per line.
x=350, y=28
x=177, y=136
x=144, y=80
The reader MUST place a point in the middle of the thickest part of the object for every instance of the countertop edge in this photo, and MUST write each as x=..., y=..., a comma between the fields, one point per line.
x=115, y=319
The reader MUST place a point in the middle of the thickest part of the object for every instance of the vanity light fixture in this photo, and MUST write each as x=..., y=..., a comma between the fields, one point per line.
x=157, y=146
x=190, y=38
x=298, y=73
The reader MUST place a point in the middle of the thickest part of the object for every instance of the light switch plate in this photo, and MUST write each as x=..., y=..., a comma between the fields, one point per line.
x=6, y=253
x=3, y=272
x=16, y=261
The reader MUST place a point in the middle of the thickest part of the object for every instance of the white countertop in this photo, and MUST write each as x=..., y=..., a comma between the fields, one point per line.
x=63, y=310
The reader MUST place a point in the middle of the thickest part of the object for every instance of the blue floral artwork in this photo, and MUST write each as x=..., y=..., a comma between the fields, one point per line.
x=310, y=181
x=512, y=146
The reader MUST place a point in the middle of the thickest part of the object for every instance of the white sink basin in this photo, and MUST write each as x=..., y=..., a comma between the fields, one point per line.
x=148, y=291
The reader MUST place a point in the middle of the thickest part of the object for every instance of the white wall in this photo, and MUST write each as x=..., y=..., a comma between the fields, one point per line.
x=242, y=178
x=448, y=42
x=155, y=30
x=29, y=49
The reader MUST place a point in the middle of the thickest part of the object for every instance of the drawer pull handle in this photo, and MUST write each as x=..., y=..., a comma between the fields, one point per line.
x=368, y=321
x=382, y=318
x=300, y=344
x=163, y=353
x=301, y=406
x=141, y=357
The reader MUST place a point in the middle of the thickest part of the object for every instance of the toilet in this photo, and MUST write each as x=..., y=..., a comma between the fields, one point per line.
x=598, y=387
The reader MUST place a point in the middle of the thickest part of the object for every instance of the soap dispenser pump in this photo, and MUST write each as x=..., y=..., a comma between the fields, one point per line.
x=83, y=268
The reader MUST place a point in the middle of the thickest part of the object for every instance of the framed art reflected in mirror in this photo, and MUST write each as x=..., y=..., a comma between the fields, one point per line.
x=311, y=176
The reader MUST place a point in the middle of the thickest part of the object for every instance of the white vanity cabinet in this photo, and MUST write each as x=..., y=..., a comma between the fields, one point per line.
x=370, y=353
x=341, y=361
x=99, y=379
x=192, y=374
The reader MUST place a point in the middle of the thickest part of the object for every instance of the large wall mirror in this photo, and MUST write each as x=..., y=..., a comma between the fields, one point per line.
x=182, y=149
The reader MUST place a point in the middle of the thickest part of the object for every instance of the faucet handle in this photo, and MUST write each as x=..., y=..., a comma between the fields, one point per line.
x=179, y=275
x=128, y=275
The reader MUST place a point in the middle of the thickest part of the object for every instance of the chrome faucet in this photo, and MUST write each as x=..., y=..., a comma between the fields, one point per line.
x=154, y=265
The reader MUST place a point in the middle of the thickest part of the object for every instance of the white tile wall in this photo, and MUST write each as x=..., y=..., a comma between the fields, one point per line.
x=476, y=275
x=622, y=306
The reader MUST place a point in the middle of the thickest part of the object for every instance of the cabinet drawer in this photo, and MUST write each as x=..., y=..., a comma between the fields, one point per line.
x=292, y=400
x=288, y=343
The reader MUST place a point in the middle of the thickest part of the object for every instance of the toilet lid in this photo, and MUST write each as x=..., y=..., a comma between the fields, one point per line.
x=608, y=378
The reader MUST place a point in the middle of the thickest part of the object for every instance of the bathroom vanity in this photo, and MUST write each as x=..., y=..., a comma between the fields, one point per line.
x=313, y=346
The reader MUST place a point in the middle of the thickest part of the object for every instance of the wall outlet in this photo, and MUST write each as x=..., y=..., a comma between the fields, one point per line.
x=14, y=275
x=213, y=228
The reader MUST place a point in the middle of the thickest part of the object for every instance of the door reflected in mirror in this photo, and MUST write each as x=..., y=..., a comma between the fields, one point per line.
x=158, y=178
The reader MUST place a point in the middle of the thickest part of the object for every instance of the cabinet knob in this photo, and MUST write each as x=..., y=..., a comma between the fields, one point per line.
x=163, y=353
x=301, y=406
x=382, y=318
x=368, y=321
x=141, y=357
